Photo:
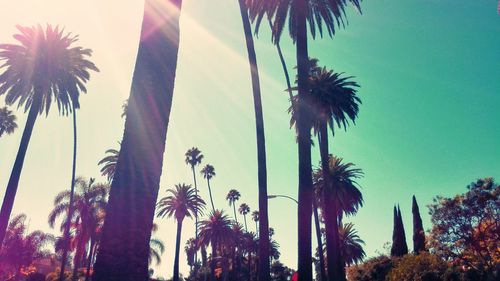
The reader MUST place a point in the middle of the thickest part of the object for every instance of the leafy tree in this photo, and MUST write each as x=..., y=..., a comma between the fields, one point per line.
x=374, y=269
x=20, y=249
x=44, y=67
x=208, y=173
x=299, y=13
x=7, y=121
x=182, y=202
x=418, y=228
x=279, y=272
x=244, y=210
x=232, y=196
x=124, y=249
x=422, y=267
x=465, y=227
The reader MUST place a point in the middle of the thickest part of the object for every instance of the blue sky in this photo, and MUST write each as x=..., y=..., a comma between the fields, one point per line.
x=429, y=124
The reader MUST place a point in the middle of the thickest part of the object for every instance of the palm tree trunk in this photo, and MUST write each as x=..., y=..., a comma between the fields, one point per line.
x=335, y=271
x=177, y=250
x=234, y=210
x=11, y=190
x=195, y=215
x=80, y=249
x=245, y=218
x=285, y=69
x=320, y=242
x=213, y=262
x=71, y=203
x=304, y=148
x=210, y=193
x=124, y=248
x=264, y=272
x=89, y=259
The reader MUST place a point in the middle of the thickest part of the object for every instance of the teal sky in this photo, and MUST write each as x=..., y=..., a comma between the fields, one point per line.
x=429, y=124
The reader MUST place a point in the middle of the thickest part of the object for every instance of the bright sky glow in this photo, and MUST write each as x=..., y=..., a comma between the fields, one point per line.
x=429, y=124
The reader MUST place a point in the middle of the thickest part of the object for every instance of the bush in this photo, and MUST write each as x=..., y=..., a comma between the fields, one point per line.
x=374, y=269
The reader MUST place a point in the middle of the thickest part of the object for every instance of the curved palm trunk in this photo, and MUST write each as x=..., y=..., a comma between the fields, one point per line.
x=210, y=193
x=320, y=242
x=264, y=266
x=285, y=69
x=195, y=215
x=335, y=267
x=11, y=190
x=89, y=259
x=304, y=265
x=124, y=248
x=177, y=250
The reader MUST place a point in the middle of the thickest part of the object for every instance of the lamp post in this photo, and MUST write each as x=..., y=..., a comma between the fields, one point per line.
x=282, y=196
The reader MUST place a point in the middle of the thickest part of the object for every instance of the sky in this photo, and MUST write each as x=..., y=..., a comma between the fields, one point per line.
x=429, y=124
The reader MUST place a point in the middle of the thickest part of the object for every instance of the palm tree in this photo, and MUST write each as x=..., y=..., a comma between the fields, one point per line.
x=299, y=13
x=208, y=173
x=193, y=159
x=88, y=201
x=20, y=248
x=215, y=230
x=109, y=163
x=244, y=210
x=338, y=195
x=43, y=68
x=182, y=202
x=232, y=196
x=351, y=244
x=7, y=121
x=125, y=243
x=264, y=265
x=255, y=218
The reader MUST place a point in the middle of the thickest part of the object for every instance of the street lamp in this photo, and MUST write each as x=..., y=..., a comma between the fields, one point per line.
x=283, y=196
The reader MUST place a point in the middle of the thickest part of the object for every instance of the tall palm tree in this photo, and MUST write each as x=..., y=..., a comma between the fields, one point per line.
x=89, y=200
x=333, y=101
x=125, y=242
x=244, y=210
x=44, y=67
x=193, y=159
x=215, y=230
x=264, y=265
x=109, y=163
x=7, y=121
x=300, y=12
x=255, y=218
x=181, y=202
x=338, y=195
x=232, y=196
x=208, y=173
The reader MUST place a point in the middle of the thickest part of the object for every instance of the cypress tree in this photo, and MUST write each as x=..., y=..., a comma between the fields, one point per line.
x=402, y=235
x=399, y=247
x=395, y=240
x=418, y=229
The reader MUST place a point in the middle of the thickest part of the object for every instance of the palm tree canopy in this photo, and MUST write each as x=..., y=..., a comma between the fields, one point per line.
x=344, y=188
x=193, y=156
x=255, y=215
x=330, y=13
x=109, y=163
x=7, y=121
x=44, y=67
x=232, y=196
x=208, y=172
x=244, y=209
x=216, y=228
x=332, y=99
x=181, y=202
x=352, y=245
x=156, y=249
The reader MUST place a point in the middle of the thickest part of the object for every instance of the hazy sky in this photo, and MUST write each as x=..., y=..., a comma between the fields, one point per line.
x=429, y=124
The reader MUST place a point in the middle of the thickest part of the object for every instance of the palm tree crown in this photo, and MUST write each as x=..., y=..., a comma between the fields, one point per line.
x=232, y=196
x=181, y=202
x=109, y=163
x=244, y=209
x=193, y=156
x=351, y=244
x=43, y=68
x=7, y=121
x=216, y=229
x=208, y=172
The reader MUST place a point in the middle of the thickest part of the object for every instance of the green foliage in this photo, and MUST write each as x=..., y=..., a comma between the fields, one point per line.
x=422, y=267
x=374, y=269
x=466, y=229
x=7, y=121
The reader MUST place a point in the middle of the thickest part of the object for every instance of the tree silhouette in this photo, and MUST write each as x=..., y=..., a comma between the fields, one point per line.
x=7, y=121
x=244, y=210
x=232, y=196
x=208, y=173
x=418, y=228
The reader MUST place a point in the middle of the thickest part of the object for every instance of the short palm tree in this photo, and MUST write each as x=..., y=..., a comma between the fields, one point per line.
x=193, y=159
x=44, y=67
x=109, y=163
x=89, y=201
x=255, y=218
x=215, y=230
x=299, y=13
x=244, y=210
x=7, y=121
x=208, y=173
x=351, y=244
x=180, y=203
x=232, y=196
